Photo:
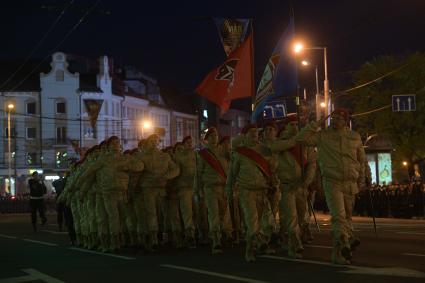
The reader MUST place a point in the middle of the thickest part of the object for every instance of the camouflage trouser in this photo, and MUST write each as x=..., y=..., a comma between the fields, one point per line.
x=269, y=222
x=82, y=208
x=185, y=198
x=173, y=211
x=253, y=203
x=91, y=213
x=139, y=209
x=340, y=198
x=151, y=202
x=218, y=210
x=115, y=211
x=292, y=210
x=130, y=216
x=101, y=216
x=76, y=215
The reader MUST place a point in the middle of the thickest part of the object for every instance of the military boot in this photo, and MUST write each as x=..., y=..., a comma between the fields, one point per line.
x=190, y=239
x=338, y=258
x=216, y=243
x=250, y=251
x=152, y=244
x=354, y=243
x=295, y=247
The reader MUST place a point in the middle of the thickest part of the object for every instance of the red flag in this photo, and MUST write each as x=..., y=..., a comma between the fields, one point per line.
x=232, y=79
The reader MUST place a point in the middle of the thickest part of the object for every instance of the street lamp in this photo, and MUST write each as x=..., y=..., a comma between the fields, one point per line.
x=146, y=125
x=404, y=163
x=323, y=105
x=10, y=107
x=298, y=47
x=318, y=111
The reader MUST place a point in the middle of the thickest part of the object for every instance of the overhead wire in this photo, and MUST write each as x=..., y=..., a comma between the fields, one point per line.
x=58, y=45
x=38, y=44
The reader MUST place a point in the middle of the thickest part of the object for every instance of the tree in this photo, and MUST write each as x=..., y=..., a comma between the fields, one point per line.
x=406, y=130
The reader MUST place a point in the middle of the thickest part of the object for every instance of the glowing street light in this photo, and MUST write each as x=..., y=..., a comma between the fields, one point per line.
x=405, y=163
x=10, y=106
x=305, y=63
x=147, y=125
x=298, y=47
x=323, y=105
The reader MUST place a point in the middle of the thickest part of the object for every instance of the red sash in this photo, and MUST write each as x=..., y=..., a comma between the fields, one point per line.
x=259, y=160
x=209, y=157
x=295, y=152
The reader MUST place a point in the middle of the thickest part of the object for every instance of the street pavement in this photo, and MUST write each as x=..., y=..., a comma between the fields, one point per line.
x=397, y=254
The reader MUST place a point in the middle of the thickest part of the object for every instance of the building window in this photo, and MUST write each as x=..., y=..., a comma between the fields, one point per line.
x=60, y=76
x=61, y=159
x=61, y=135
x=179, y=129
x=31, y=158
x=31, y=133
x=61, y=107
x=31, y=108
x=191, y=129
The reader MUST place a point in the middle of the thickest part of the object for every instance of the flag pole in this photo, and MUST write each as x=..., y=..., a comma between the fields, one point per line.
x=252, y=67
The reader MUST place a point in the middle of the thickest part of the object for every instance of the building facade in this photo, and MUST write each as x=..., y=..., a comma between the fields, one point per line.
x=50, y=122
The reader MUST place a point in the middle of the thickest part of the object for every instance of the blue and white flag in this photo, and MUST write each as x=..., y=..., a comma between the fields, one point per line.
x=279, y=80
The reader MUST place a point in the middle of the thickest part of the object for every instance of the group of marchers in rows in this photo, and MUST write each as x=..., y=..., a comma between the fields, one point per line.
x=248, y=185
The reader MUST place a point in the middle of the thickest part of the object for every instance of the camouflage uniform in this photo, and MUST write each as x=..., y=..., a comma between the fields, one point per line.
x=341, y=160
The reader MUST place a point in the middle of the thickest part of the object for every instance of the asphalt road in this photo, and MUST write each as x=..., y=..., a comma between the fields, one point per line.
x=396, y=255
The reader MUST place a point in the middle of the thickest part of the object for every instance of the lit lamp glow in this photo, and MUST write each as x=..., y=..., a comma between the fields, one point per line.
x=323, y=105
x=298, y=47
x=147, y=125
x=404, y=163
x=305, y=63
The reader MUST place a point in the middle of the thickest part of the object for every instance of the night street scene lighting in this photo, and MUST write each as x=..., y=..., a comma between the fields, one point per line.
x=231, y=141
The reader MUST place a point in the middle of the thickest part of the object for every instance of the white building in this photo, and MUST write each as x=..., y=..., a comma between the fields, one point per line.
x=51, y=115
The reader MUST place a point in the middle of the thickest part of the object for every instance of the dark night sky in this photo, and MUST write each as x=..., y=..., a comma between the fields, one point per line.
x=177, y=43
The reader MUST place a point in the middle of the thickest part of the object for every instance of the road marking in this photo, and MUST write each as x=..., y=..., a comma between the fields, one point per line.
x=318, y=246
x=54, y=232
x=210, y=273
x=40, y=242
x=104, y=254
x=8, y=237
x=352, y=269
x=409, y=254
x=411, y=233
x=33, y=275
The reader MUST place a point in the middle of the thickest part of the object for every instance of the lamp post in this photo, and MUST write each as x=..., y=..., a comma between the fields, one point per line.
x=298, y=47
x=10, y=107
x=318, y=104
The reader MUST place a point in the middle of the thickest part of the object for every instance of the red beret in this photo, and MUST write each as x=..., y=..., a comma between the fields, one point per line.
x=186, y=138
x=209, y=131
x=223, y=139
x=248, y=127
x=342, y=112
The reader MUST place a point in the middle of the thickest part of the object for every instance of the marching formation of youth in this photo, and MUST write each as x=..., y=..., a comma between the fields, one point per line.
x=253, y=186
